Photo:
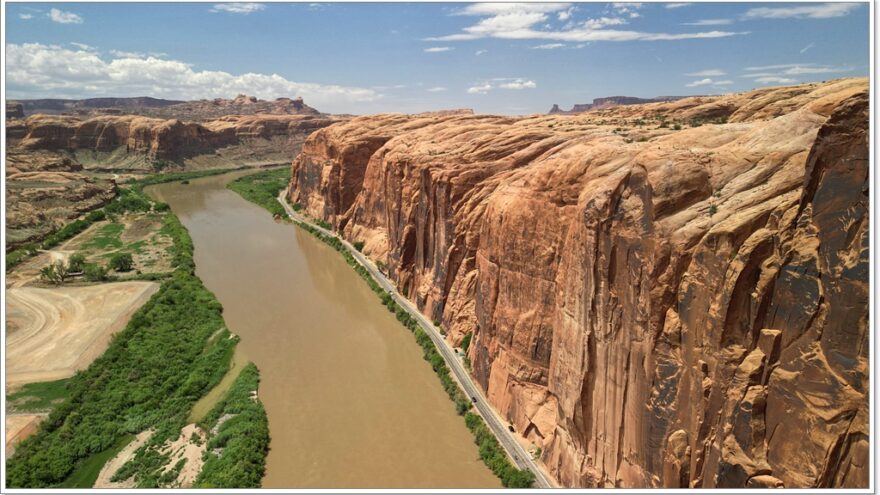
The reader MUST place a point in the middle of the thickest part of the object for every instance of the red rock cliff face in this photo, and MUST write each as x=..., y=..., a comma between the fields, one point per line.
x=159, y=138
x=652, y=307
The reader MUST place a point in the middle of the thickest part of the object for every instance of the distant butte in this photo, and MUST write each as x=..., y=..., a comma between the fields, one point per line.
x=612, y=101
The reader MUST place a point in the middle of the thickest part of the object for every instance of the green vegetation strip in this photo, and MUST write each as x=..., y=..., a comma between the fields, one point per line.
x=243, y=437
x=152, y=373
x=37, y=397
x=491, y=451
x=87, y=473
x=262, y=188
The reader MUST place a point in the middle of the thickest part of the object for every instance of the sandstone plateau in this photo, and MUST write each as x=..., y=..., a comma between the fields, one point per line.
x=653, y=307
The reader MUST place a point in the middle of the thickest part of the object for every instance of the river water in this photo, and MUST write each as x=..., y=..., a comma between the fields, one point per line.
x=351, y=402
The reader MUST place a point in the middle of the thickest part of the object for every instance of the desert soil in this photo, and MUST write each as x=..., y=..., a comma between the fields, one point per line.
x=117, y=462
x=19, y=427
x=52, y=333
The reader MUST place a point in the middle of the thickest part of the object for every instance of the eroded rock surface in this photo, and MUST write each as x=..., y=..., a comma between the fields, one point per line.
x=653, y=307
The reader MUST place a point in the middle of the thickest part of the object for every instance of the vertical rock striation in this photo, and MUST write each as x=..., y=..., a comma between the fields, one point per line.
x=651, y=307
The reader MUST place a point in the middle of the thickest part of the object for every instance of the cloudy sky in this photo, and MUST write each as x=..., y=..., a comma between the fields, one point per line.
x=364, y=58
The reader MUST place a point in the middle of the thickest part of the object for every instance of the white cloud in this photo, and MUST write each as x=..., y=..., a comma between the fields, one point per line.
x=63, y=17
x=25, y=16
x=528, y=22
x=480, y=52
x=804, y=49
x=775, y=79
x=814, y=11
x=701, y=82
x=603, y=22
x=709, y=22
x=792, y=70
x=629, y=9
x=518, y=84
x=708, y=82
x=565, y=14
x=677, y=5
x=83, y=46
x=37, y=70
x=438, y=49
x=515, y=83
x=707, y=73
x=244, y=8
x=548, y=46
x=436, y=89
x=480, y=89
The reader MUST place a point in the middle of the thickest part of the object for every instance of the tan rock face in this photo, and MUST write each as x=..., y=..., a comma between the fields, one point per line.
x=653, y=307
x=159, y=138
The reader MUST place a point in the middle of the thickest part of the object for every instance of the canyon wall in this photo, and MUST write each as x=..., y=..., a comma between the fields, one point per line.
x=108, y=141
x=655, y=301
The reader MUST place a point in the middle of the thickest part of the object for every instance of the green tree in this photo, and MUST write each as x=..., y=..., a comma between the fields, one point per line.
x=56, y=273
x=76, y=263
x=122, y=262
x=95, y=272
x=466, y=342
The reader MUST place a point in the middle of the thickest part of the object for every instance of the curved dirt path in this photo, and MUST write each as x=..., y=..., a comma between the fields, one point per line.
x=52, y=333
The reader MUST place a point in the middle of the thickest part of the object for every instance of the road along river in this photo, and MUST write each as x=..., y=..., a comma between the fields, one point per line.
x=351, y=402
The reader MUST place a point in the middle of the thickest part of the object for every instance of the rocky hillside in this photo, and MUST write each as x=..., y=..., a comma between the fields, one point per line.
x=663, y=295
x=132, y=142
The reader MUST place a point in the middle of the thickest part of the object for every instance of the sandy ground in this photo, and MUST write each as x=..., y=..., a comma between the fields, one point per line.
x=184, y=448
x=52, y=333
x=19, y=427
x=117, y=462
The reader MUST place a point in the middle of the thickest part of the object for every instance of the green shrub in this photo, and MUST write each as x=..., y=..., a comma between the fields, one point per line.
x=122, y=262
x=466, y=342
x=359, y=245
x=262, y=188
x=95, y=272
x=76, y=263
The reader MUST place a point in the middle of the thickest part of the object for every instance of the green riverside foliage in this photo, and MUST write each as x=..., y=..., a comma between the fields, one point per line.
x=150, y=376
x=87, y=473
x=243, y=436
x=37, y=397
x=262, y=188
x=490, y=450
x=493, y=455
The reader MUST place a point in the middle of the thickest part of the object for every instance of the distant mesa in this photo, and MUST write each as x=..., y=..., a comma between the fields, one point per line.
x=612, y=101
x=196, y=110
x=14, y=110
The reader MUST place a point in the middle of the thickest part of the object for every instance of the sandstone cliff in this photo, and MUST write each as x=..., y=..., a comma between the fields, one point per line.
x=136, y=142
x=653, y=307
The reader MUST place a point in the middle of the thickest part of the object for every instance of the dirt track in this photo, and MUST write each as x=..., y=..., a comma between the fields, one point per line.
x=19, y=427
x=51, y=333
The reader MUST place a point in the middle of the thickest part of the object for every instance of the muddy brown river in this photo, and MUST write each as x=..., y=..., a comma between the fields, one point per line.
x=351, y=402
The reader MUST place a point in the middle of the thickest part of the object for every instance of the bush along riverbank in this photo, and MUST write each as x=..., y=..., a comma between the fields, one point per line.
x=491, y=452
x=238, y=439
x=262, y=188
x=174, y=349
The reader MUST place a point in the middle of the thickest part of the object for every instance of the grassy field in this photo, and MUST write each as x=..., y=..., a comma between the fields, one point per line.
x=263, y=187
x=37, y=397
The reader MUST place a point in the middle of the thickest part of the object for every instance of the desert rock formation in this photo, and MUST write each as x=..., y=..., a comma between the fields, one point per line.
x=611, y=101
x=656, y=301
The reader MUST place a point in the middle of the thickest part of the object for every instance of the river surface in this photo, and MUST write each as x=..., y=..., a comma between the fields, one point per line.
x=351, y=402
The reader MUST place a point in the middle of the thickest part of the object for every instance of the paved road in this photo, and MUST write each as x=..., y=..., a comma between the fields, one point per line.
x=517, y=453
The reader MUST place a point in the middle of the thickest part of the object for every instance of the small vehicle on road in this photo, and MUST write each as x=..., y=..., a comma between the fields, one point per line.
x=474, y=400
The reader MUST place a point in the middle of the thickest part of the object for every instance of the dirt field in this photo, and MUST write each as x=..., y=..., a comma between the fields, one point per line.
x=51, y=333
x=117, y=462
x=19, y=427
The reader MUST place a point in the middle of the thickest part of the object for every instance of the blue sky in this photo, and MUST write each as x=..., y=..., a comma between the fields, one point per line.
x=366, y=58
